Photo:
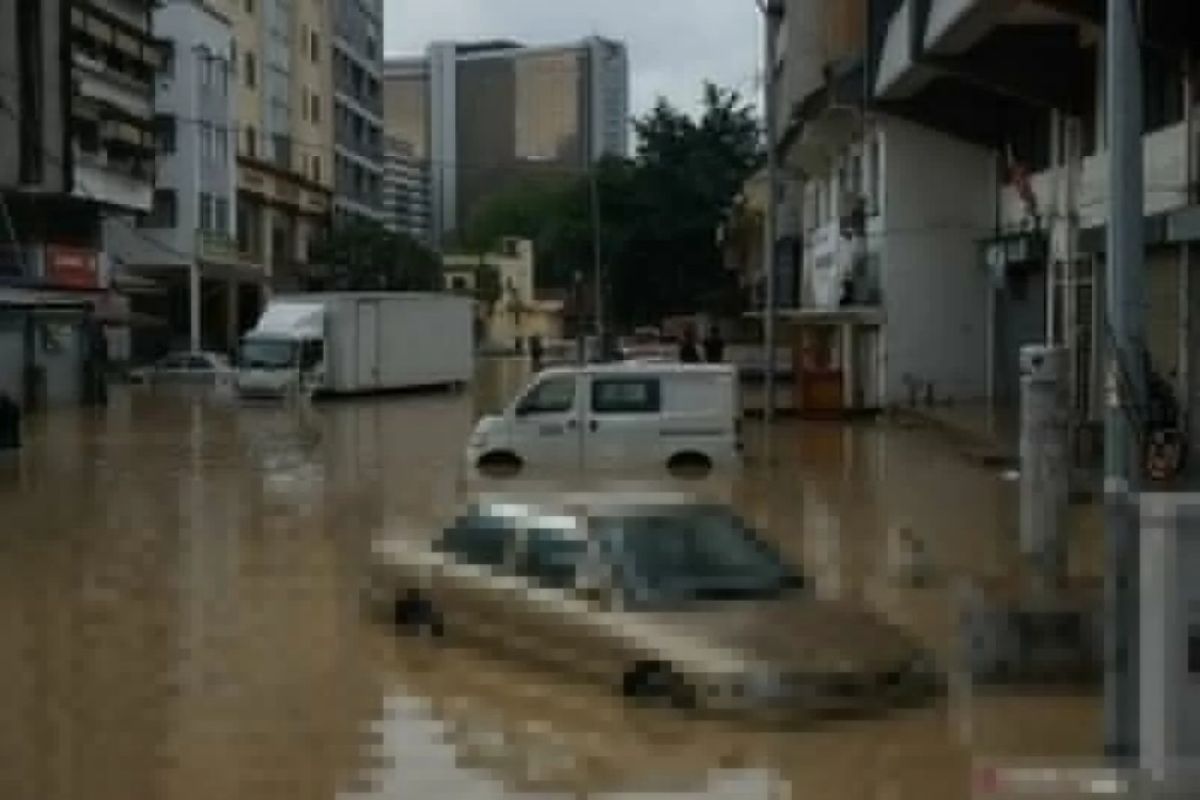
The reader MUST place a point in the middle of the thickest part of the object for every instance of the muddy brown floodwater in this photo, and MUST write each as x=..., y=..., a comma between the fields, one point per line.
x=180, y=618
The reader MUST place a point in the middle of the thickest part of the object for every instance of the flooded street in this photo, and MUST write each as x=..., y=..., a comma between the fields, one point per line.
x=181, y=617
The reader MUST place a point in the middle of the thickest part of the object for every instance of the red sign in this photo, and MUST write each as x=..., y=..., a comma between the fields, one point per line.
x=71, y=267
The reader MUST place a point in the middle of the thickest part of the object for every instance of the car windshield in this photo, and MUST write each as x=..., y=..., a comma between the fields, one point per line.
x=268, y=354
x=700, y=554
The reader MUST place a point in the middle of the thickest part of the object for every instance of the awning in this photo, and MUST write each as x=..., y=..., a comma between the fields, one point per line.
x=36, y=298
x=117, y=318
x=852, y=315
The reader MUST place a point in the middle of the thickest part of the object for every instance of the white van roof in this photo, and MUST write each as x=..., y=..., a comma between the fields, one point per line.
x=292, y=320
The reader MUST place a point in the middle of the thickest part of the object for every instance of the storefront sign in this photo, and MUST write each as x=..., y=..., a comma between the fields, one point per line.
x=71, y=267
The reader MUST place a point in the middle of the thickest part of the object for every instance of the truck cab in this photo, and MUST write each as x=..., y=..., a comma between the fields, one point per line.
x=284, y=353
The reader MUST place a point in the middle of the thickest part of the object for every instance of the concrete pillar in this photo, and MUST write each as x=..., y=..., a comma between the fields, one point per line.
x=194, y=306
x=1044, y=460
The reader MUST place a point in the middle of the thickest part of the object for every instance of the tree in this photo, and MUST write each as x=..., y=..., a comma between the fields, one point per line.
x=660, y=212
x=363, y=255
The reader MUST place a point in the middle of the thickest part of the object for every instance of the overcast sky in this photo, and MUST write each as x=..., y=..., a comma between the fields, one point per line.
x=674, y=45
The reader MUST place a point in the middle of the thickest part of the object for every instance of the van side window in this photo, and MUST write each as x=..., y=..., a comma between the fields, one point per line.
x=552, y=396
x=626, y=396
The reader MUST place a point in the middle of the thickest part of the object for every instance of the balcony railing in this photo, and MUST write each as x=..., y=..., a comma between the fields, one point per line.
x=215, y=247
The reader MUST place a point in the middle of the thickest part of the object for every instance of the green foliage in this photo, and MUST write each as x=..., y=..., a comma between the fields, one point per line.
x=360, y=255
x=659, y=212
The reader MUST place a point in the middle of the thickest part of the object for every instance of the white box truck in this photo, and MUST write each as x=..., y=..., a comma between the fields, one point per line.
x=357, y=342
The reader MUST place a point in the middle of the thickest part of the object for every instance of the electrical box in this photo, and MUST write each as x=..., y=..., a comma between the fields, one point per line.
x=1169, y=641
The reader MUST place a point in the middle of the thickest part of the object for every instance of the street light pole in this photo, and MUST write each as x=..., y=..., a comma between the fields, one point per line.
x=1126, y=390
x=771, y=12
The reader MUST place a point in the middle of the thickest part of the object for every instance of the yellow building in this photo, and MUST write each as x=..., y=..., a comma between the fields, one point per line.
x=518, y=313
x=282, y=55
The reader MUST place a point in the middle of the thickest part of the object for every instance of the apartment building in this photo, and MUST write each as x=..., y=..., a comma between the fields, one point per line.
x=406, y=191
x=187, y=246
x=282, y=51
x=76, y=140
x=358, y=110
x=944, y=175
x=489, y=115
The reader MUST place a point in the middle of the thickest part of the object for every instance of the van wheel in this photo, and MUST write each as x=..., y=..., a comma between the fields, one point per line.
x=499, y=464
x=416, y=616
x=656, y=684
x=689, y=465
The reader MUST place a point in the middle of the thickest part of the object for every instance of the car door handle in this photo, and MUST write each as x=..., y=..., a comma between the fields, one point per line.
x=571, y=425
x=593, y=425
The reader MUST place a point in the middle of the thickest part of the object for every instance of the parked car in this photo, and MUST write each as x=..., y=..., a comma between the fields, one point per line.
x=660, y=597
x=199, y=368
x=681, y=417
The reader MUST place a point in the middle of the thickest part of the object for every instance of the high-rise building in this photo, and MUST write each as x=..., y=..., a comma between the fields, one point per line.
x=283, y=52
x=358, y=109
x=490, y=115
x=406, y=191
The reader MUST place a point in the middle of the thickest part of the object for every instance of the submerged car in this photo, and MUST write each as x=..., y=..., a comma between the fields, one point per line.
x=198, y=368
x=663, y=598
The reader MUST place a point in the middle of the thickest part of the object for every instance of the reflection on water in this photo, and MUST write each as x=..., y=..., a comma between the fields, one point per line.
x=179, y=608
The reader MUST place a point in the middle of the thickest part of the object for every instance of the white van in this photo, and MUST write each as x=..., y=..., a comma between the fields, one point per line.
x=682, y=417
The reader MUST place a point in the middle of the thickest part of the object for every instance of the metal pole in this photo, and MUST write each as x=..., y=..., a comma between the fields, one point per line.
x=771, y=14
x=597, y=273
x=1126, y=379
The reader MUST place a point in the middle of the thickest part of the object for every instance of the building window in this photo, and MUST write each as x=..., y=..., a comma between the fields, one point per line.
x=316, y=168
x=162, y=213
x=314, y=47
x=233, y=59
x=164, y=132
x=167, y=68
x=251, y=141
x=221, y=212
x=221, y=140
x=250, y=69
x=315, y=114
x=249, y=6
x=206, y=211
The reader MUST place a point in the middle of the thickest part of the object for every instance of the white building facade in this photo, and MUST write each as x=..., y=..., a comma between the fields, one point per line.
x=187, y=242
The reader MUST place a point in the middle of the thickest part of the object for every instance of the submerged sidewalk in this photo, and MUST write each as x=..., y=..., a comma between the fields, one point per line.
x=987, y=434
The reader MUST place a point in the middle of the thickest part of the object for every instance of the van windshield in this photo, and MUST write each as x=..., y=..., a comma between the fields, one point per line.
x=267, y=354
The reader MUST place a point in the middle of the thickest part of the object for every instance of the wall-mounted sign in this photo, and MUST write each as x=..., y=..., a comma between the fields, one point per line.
x=72, y=267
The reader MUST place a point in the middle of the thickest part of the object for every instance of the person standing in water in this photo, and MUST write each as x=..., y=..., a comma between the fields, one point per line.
x=688, y=352
x=714, y=346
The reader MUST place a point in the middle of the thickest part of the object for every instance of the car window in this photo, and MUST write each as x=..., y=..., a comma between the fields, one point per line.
x=551, y=396
x=704, y=553
x=481, y=541
x=199, y=363
x=626, y=396
x=551, y=559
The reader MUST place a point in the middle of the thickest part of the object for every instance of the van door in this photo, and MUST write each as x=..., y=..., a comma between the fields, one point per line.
x=622, y=426
x=546, y=422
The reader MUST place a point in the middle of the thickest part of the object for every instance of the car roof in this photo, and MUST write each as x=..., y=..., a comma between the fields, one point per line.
x=647, y=367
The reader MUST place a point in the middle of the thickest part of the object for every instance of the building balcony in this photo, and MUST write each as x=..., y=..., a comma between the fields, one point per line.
x=956, y=25
x=214, y=247
x=900, y=73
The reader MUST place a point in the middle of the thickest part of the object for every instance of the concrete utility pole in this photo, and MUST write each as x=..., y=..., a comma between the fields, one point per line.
x=1126, y=389
x=772, y=11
